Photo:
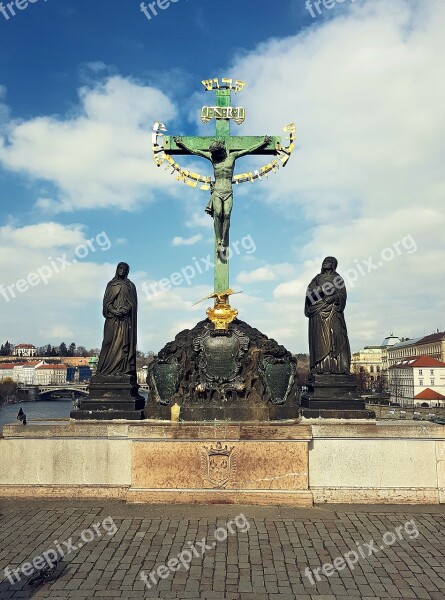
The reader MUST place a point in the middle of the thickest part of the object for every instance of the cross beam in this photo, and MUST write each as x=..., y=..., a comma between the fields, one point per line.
x=233, y=143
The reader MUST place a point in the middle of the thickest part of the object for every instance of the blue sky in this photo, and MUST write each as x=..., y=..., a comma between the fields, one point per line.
x=81, y=84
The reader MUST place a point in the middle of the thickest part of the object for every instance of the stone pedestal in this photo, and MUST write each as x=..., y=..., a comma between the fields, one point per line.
x=234, y=375
x=111, y=397
x=222, y=464
x=332, y=396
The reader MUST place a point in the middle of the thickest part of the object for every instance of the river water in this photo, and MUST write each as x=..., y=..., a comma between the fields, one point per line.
x=48, y=410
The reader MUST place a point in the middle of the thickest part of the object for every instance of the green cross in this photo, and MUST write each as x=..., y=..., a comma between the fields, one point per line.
x=235, y=147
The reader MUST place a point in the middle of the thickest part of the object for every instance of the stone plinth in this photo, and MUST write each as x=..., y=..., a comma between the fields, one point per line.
x=224, y=464
x=332, y=396
x=111, y=397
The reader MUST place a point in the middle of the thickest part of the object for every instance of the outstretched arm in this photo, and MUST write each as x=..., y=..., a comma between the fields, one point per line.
x=262, y=144
x=180, y=142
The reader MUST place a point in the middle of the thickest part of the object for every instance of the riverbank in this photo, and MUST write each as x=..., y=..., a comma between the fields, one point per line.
x=46, y=409
x=14, y=401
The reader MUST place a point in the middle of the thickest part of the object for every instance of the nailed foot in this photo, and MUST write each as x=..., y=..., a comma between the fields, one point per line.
x=221, y=250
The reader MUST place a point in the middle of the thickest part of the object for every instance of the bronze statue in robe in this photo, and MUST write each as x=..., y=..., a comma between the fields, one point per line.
x=118, y=354
x=325, y=303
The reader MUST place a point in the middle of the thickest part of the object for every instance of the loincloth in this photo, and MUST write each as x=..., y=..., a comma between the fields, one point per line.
x=223, y=196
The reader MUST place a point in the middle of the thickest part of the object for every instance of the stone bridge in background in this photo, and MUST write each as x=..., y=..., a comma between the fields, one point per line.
x=39, y=392
x=71, y=388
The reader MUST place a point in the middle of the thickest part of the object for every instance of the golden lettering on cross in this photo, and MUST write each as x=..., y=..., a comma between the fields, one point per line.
x=226, y=84
x=237, y=114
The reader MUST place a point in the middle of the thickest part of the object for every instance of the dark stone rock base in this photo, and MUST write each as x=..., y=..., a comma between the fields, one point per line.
x=224, y=413
x=310, y=413
x=111, y=398
x=107, y=415
x=333, y=397
x=254, y=381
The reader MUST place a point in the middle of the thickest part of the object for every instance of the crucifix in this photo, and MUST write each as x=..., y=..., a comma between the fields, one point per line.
x=222, y=150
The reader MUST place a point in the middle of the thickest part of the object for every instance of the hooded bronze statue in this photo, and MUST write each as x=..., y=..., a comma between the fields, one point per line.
x=118, y=353
x=328, y=336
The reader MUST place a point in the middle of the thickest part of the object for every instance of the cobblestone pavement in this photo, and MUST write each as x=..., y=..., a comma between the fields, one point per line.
x=265, y=553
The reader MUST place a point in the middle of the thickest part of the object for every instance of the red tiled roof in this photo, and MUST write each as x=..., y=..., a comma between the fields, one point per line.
x=428, y=361
x=421, y=361
x=30, y=363
x=24, y=346
x=429, y=394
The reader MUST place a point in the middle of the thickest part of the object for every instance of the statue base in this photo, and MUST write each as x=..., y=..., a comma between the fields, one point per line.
x=235, y=413
x=111, y=397
x=311, y=413
x=238, y=374
x=332, y=396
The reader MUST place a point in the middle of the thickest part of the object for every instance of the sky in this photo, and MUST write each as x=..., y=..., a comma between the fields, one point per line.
x=81, y=84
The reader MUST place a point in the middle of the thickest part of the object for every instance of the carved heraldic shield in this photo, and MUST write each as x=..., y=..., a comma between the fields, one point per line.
x=218, y=465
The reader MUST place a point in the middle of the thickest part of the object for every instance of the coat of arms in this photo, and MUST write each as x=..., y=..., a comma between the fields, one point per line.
x=218, y=464
x=219, y=361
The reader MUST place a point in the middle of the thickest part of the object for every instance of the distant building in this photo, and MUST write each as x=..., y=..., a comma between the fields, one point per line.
x=368, y=360
x=429, y=398
x=20, y=372
x=142, y=375
x=93, y=363
x=25, y=373
x=430, y=345
x=50, y=375
x=373, y=360
x=81, y=374
x=7, y=370
x=71, y=373
x=27, y=350
x=418, y=381
x=387, y=344
x=85, y=374
x=76, y=361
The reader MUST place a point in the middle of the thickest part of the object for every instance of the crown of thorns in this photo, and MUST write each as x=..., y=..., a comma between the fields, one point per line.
x=217, y=145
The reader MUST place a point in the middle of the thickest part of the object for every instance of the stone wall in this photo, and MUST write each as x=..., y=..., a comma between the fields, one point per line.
x=388, y=463
x=287, y=464
x=385, y=412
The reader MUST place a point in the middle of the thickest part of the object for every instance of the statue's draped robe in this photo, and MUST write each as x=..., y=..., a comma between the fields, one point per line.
x=328, y=336
x=118, y=353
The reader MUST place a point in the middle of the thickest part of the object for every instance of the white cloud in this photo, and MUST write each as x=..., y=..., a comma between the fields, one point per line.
x=69, y=303
x=57, y=332
x=265, y=273
x=199, y=218
x=191, y=241
x=367, y=171
x=97, y=158
x=357, y=95
x=43, y=235
x=260, y=274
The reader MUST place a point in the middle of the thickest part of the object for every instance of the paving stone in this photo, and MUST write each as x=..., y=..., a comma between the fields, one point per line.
x=266, y=563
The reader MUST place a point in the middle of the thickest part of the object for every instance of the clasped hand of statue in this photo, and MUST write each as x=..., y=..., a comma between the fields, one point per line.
x=121, y=313
x=333, y=300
